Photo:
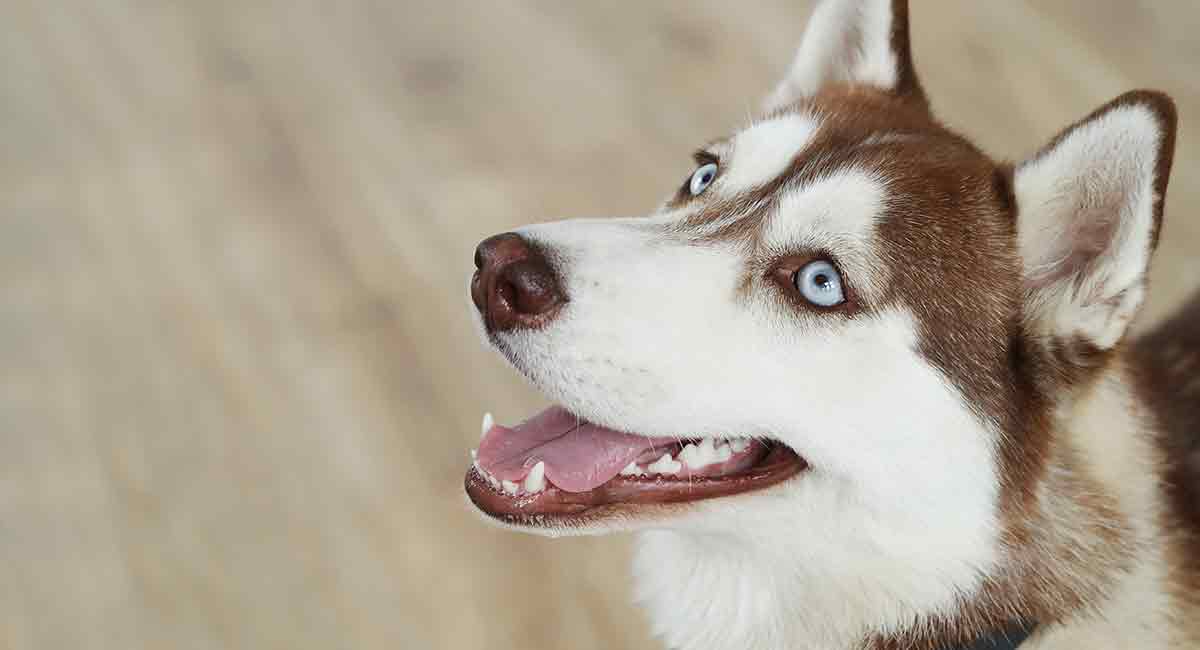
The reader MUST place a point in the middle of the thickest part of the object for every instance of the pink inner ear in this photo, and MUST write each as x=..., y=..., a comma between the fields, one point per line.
x=1091, y=230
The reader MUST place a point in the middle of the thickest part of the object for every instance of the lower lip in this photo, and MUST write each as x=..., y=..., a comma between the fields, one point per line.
x=780, y=464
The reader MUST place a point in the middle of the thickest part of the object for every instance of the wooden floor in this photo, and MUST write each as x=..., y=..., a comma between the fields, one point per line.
x=237, y=379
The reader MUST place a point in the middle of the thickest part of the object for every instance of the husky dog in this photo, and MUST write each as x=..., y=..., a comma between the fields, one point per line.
x=858, y=385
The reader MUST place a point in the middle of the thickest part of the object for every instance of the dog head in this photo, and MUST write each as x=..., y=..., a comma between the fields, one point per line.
x=837, y=341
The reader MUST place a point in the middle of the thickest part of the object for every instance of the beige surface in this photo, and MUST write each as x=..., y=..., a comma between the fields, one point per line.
x=237, y=380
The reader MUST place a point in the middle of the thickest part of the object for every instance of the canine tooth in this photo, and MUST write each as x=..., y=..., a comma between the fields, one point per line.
x=474, y=453
x=492, y=480
x=722, y=453
x=535, y=481
x=665, y=465
x=487, y=424
x=739, y=445
x=509, y=486
x=632, y=469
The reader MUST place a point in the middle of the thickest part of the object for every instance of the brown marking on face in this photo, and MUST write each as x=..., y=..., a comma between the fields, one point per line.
x=743, y=214
x=852, y=120
x=1051, y=576
x=948, y=245
x=949, y=241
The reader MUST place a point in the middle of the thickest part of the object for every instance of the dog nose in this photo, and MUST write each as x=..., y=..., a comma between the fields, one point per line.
x=514, y=285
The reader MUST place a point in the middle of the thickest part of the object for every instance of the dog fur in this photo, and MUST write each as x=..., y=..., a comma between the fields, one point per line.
x=985, y=442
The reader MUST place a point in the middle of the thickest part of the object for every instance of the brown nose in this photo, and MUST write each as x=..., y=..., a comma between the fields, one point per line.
x=513, y=286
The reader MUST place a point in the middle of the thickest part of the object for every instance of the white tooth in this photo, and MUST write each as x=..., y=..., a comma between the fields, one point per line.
x=711, y=453
x=493, y=481
x=691, y=456
x=665, y=465
x=488, y=423
x=509, y=487
x=739, y=445
x=632, y=469
x=722, y=454
x=474, y=453
x=535, y=481
x=702, y=455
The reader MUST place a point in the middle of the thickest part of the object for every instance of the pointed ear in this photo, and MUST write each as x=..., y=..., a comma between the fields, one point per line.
x=852, y=41
x=1089, y=207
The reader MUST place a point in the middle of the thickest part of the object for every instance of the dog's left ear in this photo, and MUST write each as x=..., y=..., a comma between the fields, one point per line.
x=853, y=42
x=1089, y=208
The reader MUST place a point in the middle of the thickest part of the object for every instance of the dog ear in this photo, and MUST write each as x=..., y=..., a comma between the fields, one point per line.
x=856, y=42
x=1089, y=208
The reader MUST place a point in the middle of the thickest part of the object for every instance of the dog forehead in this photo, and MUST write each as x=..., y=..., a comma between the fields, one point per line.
x=845, y=203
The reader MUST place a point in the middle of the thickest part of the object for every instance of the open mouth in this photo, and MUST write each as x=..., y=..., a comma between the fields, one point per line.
x=555, y=465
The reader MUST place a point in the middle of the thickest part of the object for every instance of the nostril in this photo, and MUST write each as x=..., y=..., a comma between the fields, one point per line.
x=534, y=285
x=507, y=296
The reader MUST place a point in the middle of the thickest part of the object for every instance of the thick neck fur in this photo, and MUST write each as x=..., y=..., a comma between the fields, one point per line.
x=1084, y=554
x=1109, y=445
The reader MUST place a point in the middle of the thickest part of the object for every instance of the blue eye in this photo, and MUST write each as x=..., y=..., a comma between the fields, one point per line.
x=702, y=178
x=821, y=284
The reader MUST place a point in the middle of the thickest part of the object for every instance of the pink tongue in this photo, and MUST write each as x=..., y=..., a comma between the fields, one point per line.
x=579, y=456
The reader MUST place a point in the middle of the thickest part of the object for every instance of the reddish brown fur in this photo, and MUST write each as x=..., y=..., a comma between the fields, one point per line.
x=1021, y=394
x=952, y=232
x=951, y=226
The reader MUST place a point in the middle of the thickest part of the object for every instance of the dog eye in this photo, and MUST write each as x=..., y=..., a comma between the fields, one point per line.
x=820, y=283
x=702, y=178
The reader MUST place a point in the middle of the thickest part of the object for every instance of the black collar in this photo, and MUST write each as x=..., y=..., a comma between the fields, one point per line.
x=1007, y=638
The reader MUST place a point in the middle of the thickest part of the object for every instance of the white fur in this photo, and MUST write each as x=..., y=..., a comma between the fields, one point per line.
x=762, y=152
x=1084, y=279
x=846, y=40
x=835, y=213
x=845, y=204
x=1108, y=424
x=860, y=543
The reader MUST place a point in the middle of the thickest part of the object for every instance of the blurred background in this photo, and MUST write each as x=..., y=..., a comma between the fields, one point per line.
x=237, y=378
